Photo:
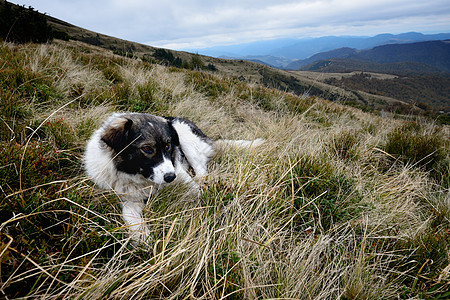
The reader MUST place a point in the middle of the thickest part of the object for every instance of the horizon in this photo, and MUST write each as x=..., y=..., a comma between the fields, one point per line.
x=286, y=53
x=322, y=37
x=179, y=25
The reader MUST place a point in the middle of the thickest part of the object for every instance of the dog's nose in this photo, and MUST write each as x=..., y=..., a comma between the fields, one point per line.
x=169, y=177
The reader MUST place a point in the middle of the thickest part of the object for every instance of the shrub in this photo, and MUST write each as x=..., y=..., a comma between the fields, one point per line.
x=413, y=144
x=211, y=67
x=325, y=196
x=165, y=57
x=343, y=144
x=197, y=63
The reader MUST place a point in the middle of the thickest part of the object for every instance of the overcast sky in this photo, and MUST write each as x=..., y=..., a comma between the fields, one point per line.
x=191, y=24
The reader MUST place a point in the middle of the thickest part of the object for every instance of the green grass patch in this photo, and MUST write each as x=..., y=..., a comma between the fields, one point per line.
x=424, y=147
x=345, y=144
x=425, y=256
x=208, y=84
x=325, y=196
x=32, y=164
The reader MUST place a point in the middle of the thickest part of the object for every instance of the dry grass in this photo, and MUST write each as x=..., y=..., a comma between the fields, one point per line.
x=321, y=211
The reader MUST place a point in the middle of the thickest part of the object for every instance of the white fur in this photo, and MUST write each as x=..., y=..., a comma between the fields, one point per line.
x=132, y=189
x=132, y=215
x=197, y=151
x=245, y=144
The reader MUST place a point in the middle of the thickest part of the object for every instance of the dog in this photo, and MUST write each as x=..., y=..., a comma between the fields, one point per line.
x=135, y=154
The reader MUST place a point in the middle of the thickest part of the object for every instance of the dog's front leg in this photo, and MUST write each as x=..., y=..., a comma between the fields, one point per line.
x=132, y=215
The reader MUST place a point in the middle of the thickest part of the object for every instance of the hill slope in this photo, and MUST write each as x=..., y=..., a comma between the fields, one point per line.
x=433, y=53
x=336, y=53
x=338, y=203
x=243, y=70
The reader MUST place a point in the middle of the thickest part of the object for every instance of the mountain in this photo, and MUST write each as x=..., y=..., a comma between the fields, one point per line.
x=259, y=48
x=306, y=48
x=336, y=53
x=422, y=57
x=296, y=49
x=433, y=53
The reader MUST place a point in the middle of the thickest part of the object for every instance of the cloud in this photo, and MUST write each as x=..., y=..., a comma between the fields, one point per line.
x=312, y=18
x=201, y=23
x=229, y=22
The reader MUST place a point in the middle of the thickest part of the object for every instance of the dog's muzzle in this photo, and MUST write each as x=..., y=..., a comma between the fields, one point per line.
x=164, y=172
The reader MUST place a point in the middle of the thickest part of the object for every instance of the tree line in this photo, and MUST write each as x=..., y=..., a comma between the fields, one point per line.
x=166, y=57
x=20, y=24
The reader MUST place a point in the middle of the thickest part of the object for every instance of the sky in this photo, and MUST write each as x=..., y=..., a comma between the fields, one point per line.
x=196, y=24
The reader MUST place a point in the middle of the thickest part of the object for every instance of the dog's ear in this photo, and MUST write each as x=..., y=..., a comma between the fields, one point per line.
x=117, y=134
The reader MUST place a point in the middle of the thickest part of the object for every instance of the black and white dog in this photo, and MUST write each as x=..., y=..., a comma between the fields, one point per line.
x=134, y=154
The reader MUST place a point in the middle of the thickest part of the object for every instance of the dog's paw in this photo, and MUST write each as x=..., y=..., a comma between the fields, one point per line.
x=140, y=236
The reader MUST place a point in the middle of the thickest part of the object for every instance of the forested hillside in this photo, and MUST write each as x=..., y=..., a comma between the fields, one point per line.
x=431, y=56
x=426, y=91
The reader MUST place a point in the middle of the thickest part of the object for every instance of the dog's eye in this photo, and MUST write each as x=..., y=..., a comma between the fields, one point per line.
x=168, y=147
x=148, y=149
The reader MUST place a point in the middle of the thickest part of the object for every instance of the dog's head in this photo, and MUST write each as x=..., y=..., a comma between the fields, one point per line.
x=143, y=144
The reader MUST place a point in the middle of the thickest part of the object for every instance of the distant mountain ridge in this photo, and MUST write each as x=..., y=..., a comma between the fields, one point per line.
x=430, y=56
x=330, y=43
x=296, y=49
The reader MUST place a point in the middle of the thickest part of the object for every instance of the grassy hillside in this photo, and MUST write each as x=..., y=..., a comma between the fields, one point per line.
x=244, y=70
x=338, y=204
x=426, y=95
x=22, y=24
